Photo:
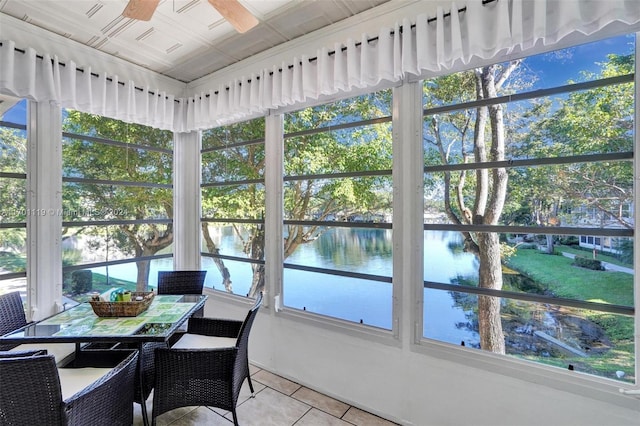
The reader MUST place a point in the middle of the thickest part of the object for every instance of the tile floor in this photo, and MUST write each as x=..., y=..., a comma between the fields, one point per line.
x=278, y=402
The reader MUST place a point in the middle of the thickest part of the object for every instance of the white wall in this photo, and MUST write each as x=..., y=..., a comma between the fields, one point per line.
x=410, y=387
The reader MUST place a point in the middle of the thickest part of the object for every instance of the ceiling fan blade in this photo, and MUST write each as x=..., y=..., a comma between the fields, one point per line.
x=140, y=9
x=236, y=14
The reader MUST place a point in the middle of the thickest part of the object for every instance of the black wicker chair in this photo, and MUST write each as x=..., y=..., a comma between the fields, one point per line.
x=12, y=315
x=195, y=372
x=32, y=393
x=182, y=282
x=169, y=282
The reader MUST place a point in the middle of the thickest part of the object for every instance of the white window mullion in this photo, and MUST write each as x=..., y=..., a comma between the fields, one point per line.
x=186, y=200
x=274, y=171
x=408, y=208
x=44, y=210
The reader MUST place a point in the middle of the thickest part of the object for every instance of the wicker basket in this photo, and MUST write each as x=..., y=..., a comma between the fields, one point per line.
x=123, y=309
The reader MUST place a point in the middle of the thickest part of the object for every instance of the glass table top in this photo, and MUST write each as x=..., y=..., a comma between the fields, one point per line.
x=80, y=324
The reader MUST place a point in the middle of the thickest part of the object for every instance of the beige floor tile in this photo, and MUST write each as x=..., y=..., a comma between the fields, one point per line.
x=270, y=408
x=363, y=418
x=276, y=382
x=172, y=416
x=315, y=417
x=322, y=402
x=245, y=393
x=202, y=416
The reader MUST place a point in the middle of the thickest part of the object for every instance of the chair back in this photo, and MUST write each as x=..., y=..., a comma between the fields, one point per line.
x=12, y=315
x=241, y=365
x=30, y=391
x=181, y=282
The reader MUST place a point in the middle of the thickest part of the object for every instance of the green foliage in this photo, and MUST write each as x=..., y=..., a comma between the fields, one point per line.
x=140, y=154
x=81, y=281
x=626, y=251
x=13, y=262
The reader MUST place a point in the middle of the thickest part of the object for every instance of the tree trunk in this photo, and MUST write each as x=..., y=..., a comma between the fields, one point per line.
x=256, y=251
x=257, y=283
x=142, y=282
x=212, y=248
x=490, y=277
x=550, y=246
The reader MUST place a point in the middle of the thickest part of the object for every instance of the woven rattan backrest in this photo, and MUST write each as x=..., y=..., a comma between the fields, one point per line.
x=30, y=393
x=181, y=282
x=12, y=315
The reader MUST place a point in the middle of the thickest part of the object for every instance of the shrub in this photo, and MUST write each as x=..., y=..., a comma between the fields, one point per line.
x=583, y=262
x=569, y=240
x=527, y=246
x=81, y=281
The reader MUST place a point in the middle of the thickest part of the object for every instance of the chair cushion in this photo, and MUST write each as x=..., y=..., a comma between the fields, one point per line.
x=199, y=341
x=73, y=380
x=60, y=351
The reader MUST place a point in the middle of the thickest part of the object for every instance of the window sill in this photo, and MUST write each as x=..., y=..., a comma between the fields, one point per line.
x=598, y=388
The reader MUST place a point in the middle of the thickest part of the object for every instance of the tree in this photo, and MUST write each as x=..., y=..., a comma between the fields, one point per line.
x=121, y=163
x=595, y=121
x=324, y=153
x=476, y=136
x=13, y=160
x=233, y=160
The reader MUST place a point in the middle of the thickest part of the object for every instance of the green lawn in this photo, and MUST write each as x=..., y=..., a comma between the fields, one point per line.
x=556, y=273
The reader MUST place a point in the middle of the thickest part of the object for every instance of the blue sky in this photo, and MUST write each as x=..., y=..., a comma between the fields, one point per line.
x=556, y=69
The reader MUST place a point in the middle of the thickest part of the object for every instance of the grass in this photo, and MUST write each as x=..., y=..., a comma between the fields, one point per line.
x=557, y=275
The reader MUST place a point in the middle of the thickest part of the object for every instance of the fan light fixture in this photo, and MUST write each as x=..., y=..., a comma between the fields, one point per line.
x=231, y=10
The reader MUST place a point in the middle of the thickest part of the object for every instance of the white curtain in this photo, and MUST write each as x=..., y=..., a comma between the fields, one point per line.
x=46, y=79
x=415, y=46
x=426, y=45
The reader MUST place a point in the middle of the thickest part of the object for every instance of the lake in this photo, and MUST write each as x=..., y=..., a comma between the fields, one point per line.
x=352, y=250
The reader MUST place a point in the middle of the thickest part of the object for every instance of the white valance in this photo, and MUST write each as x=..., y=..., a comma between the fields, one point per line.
x=458, y=35
x=46, y=79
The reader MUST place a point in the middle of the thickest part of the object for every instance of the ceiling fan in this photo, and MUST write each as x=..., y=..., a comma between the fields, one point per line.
x=231, y=10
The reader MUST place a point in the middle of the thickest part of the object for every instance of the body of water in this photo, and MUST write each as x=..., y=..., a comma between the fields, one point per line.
x=366, y=251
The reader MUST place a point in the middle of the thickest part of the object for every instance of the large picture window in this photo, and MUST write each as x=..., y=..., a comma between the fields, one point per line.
x=117, y=204
x=233, y=207
x=337, y=210
x=529, y=203
x=13, y=204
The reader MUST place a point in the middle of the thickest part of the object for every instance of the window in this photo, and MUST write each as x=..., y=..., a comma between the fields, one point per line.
x=13, y=210
x=337, y=210
x=233, y=207
x=117, y=204
x=528, y=169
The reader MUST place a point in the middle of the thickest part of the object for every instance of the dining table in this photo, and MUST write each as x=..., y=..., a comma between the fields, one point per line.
x=80, y=325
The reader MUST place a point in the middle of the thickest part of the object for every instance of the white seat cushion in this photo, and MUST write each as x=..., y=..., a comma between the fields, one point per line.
x=73, y=380
x=60, y=351
x=198, y=341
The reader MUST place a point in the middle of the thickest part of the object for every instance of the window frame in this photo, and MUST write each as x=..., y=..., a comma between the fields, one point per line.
x=593, y=386
x=120, y=183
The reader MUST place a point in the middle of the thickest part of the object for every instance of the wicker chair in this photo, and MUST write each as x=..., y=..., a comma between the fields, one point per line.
x=169, y=282
x=12, y=315
x=206, y=367
x=182, y=282
x=35, y=392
